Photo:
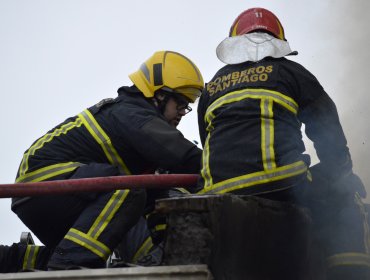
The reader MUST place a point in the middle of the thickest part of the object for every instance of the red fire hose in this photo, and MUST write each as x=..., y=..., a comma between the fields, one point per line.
x=160, y=181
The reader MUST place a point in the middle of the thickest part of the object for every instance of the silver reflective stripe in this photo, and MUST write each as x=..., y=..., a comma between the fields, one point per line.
x=267, y=132
x=143, y=250
x=48, y=172
x=206, y=172
x=89, y=243
x=235, y=96
x=30, y=256
x=271, y=172
x=45, y=139
x=104, y=141
x=258, y=178
x=108, y=213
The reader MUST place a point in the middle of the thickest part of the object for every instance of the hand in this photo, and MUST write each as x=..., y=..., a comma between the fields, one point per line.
x=351, y=183
x=348, y=183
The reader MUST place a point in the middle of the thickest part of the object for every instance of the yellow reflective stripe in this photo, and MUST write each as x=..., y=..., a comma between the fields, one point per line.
x=143, y=250
x=160, y=227
x=210, y=127
x=45, y=139
x=271, y=172
x=256, y=178
x=309, y=176
x=366, y=229
x=88, y=242
x=235, y=96
x=29, y=260
x=348, y=259
x=48, y=172
x=206, y=172
x=103, y=140
x=267, y=134
x=107, y=213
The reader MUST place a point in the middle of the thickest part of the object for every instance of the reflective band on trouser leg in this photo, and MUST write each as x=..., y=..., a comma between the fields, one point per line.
x=90, y=240
x=30, y=256
x=107, y=214
x=143, y=250
x=89, y=243
x=103, y=140
x=160, y=227
x=354, y=258
x=348, y=259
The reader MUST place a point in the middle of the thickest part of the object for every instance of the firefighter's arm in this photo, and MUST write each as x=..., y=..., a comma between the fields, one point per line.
x=323, y=127
x=346, y=184
x=165, y=146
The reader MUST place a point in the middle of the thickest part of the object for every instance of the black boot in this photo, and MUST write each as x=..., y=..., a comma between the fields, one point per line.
x=72, y=259
x=11, y=257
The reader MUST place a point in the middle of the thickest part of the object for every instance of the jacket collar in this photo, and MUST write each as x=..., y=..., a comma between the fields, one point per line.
x=252, y=47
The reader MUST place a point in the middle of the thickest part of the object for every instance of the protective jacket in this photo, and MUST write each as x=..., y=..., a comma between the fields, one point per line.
x=250, y=118
x=127, y=132
x=125, y=135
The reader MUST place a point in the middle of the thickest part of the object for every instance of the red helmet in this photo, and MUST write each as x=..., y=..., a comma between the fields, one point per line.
x=257, y=19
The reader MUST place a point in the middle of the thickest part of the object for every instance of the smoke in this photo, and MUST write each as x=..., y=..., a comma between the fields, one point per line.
x=340, y=37
x=351, y=37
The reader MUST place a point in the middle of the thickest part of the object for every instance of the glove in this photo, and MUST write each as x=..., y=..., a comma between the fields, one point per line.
x=350, y=183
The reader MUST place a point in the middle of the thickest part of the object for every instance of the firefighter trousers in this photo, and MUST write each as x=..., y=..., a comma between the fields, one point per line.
x=83, y=228
x=23, y=257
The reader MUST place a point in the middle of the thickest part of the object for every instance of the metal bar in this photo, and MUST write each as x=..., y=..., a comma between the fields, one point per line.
x=98, y=184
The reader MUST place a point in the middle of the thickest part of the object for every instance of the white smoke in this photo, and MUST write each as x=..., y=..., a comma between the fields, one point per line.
x=335, y=50
x=352, y=89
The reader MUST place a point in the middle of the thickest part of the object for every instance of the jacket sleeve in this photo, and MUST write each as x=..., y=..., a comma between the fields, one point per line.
x=155, y=140
x=167, y=147
x=319, y=114
x=201, y=113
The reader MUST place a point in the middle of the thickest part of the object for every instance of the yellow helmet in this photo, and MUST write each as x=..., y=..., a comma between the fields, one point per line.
x=169, y=70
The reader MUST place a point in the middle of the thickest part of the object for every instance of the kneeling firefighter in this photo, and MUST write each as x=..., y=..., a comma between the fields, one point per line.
x=134, y=133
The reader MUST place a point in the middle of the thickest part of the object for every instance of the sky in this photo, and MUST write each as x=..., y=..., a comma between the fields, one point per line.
x=58, y=57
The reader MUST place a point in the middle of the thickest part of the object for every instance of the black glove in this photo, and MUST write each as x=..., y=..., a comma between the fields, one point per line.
x=350, y=183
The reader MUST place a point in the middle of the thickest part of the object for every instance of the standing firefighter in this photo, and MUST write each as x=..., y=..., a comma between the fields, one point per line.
x=134, y=133
x=250, y=118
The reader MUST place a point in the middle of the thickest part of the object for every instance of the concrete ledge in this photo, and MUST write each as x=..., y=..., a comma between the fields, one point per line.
x=194, y=272
x=239, y=237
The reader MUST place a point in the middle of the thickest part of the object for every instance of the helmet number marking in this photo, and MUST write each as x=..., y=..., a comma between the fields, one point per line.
x=258, y=14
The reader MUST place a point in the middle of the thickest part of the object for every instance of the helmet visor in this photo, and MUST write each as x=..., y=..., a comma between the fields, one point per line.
x=190, y=93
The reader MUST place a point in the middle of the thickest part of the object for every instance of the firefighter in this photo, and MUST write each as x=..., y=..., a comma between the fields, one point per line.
x=134, y=133
x=250, y=116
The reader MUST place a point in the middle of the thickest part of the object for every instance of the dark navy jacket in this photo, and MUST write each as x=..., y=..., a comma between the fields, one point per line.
x=250, y=118
x=128, y=132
